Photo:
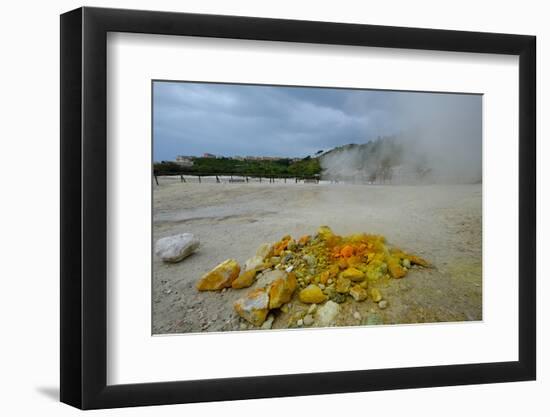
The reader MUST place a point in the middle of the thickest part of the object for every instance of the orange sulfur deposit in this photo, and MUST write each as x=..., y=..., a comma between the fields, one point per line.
x=359, y=258
x=317, y=269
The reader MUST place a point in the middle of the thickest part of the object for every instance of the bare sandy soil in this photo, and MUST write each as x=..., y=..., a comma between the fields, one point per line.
x=441, y=223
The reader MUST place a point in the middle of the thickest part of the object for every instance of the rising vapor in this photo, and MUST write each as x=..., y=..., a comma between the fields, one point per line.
x=437, y=140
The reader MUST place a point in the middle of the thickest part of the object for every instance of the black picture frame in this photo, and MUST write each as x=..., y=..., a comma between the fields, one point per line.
x=84, y=207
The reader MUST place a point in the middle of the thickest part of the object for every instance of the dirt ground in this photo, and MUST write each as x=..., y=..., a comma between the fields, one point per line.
x=441, y=223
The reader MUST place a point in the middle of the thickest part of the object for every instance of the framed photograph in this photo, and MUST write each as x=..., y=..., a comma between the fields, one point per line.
x=258, y=207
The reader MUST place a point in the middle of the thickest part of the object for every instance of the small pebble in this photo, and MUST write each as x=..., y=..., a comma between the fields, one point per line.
x=406, y=263
x=382, y=304
x=300, y=323
x=308, y=320
x=168, y=291
x=322, y=286
x=312, y=309
x=329, y=281
x=243, y=326
x=357, y=316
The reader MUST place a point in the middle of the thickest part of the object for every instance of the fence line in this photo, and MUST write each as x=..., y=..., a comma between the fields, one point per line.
x=245, y=177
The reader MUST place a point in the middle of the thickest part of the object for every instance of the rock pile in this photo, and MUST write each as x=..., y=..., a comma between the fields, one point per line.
x=324, y=268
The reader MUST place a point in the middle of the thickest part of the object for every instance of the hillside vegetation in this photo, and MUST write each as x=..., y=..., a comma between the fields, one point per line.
x=306, y=167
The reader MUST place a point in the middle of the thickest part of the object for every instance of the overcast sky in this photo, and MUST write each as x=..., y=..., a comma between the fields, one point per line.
x=229, y=119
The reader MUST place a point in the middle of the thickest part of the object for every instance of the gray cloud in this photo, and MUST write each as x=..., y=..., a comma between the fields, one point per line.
x=228, y=119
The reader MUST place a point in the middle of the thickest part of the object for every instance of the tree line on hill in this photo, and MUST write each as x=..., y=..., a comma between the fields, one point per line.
x=284, y=167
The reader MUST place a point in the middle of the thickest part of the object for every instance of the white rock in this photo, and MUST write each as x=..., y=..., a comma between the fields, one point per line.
x=327, y=313
x=300, y=323
x=253, y=263
x=177, y=247
x=268, y=323
x=382, y=304
x=357, y=316
x=312, y=309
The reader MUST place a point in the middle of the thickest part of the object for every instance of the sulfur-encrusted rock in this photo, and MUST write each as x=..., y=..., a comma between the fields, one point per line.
x=375, y=294
x=325, y=232
x=254, y=264
x=263, y=250
x=343, y=285
x=324, y=277
x=358, y=293
x=396, y=270
x=326, y=314
x=177, y=247
x=312, y=294
x=254, y=307
x=417, y=260
x=267, y=277
x=220, y=277
x=245, y=280
x=281, y=290
x=375, y=270
x=353, y=274
x=303, y=240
